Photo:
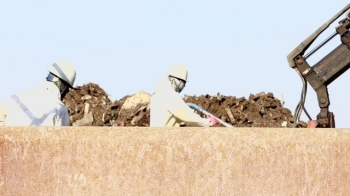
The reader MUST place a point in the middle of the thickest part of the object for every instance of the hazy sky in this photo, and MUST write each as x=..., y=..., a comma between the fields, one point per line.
x=232, y=47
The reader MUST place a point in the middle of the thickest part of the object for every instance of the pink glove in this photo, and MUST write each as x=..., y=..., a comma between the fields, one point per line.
x=213, y=120
x=312, y=124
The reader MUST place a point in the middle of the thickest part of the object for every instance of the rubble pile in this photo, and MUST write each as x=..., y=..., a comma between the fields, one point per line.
x=89, y=105
x=259, y=110
x=132, y=110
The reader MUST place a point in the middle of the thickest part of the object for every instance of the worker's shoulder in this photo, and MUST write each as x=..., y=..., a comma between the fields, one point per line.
x=32, y=95
x=26, y=92
x=166, y=95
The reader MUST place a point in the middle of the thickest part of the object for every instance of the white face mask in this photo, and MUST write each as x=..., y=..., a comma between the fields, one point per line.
x=177, y=84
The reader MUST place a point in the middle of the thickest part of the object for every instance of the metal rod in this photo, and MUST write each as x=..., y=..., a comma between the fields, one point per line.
x=320, y=45
x=201, y=110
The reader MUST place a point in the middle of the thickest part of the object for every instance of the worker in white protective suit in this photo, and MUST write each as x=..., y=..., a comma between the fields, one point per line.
x=41, y=106
x=168, y=109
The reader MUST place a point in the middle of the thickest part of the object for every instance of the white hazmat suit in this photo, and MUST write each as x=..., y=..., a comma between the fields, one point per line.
x=37, y=107
x=168, y=109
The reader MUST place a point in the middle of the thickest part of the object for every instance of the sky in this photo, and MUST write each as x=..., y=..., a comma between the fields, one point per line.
x=235, y=48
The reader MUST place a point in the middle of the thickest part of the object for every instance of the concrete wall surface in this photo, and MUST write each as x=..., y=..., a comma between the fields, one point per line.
x=175, y=161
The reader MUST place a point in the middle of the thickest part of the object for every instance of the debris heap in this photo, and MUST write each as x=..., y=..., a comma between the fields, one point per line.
x=132, y=110
x=89, y=105
x=259, y=110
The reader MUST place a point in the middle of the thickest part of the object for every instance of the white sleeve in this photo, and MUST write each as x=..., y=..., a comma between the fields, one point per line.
x=183, y=112
x=62, y=116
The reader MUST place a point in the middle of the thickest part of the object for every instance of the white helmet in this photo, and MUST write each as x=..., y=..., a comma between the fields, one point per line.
x=178, y=71
x=64, y=70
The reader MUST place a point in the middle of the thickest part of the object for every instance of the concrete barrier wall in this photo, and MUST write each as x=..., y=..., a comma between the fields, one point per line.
x=179, y=161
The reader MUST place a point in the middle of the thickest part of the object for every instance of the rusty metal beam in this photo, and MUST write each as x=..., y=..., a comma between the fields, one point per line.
x=326, y=70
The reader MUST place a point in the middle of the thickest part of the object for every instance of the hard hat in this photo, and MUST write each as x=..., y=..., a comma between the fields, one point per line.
x=64, y=70
x=178, y=71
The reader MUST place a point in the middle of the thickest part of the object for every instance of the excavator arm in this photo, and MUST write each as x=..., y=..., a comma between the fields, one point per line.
x=324, y=72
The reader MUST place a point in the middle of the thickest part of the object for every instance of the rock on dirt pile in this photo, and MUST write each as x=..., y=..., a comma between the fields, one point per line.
x=134, y=110
x=89, y=105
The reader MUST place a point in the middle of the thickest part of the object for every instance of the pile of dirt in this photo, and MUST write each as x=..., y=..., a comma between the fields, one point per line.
x=259, y=110
x=89, y=105
x=133, y=110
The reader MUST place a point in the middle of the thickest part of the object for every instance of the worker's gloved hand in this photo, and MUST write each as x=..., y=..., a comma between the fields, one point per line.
x=213, y=121
x=312, y=124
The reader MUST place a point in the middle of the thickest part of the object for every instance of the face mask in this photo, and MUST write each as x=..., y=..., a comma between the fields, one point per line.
x=51, y=78
x=177, y=84
x=62, y=87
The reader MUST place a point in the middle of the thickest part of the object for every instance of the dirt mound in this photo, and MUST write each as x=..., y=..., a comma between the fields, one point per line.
x=89, y=105
x=133, y=110
x=260, y=110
